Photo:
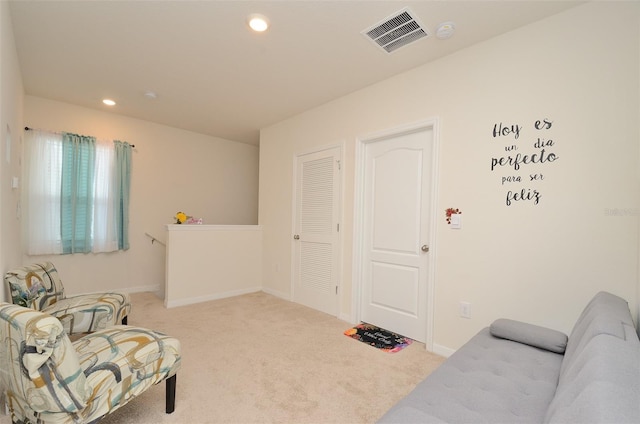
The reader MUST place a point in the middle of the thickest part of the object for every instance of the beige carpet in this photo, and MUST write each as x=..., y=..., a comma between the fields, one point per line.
x=260, y=359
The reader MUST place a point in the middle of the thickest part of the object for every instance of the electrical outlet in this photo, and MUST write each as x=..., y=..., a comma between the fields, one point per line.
x=465, y=309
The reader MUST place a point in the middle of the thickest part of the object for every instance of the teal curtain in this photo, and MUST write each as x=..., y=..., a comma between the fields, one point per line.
x=76, y=220
x=122, y=188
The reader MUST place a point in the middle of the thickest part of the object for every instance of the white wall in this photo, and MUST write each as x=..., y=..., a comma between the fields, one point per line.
x=539, y=263
x=172, y=170
x=11, y=103
x=208, y=262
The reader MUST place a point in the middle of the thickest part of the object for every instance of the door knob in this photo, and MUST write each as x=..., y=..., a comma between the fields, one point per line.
x=296, y=237
x=425, y=248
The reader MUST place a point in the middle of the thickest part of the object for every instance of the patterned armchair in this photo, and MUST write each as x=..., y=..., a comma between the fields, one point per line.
x=39, y=287
x=45, y=378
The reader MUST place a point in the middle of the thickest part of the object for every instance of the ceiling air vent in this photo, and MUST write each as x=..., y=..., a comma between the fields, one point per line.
x=396, y=31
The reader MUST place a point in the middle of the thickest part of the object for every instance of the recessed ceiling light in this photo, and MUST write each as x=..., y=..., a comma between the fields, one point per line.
x=150, y=95
x=257, y=22
x=445, y=30
x=109, y=102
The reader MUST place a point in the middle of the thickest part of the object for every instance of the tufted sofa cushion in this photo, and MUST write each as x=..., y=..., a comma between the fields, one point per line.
x=488, y=380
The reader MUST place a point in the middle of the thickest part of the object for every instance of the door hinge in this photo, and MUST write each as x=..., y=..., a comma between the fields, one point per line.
x=336, y=289
x=339, y=164
x=338, y=227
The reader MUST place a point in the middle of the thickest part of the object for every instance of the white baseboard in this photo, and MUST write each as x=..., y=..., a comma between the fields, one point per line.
x=347, y=318
x=215, y=296
x=276, y=293
x=155, y=288
x=442, y=350
x=287, y=296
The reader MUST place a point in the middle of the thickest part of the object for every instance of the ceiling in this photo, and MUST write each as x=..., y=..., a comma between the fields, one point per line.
x=214, y=76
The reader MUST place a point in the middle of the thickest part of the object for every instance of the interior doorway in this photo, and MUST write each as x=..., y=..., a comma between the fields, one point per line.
x=394, y=229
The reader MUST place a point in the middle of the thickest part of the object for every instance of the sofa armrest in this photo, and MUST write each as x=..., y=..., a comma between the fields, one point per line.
x=529, y=334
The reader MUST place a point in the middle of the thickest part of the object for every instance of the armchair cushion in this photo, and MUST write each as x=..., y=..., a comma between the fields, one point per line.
x=90, y=312
x=38, y=286
x=123, y=361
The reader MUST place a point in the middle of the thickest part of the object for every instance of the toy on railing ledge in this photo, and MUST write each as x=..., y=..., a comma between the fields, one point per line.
x=183, y=218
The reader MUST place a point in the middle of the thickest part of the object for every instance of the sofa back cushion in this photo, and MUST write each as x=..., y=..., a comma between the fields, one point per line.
x=39, y=368
x=605, y=314
x=600, y=374
x=35, y=286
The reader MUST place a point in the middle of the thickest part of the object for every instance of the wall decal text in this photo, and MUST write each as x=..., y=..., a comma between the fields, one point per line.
x=521, y=172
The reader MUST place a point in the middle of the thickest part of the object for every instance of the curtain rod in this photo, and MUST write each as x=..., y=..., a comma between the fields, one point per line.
x=29, y=129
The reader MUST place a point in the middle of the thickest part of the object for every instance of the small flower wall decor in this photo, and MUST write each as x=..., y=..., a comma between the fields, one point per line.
x=181, y=217
x=451, y=211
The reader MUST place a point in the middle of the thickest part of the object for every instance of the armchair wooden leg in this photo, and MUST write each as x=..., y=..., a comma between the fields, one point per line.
x=171, y=394
x=124, y=321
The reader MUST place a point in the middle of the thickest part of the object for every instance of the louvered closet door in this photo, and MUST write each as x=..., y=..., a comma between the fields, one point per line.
x=316, y=231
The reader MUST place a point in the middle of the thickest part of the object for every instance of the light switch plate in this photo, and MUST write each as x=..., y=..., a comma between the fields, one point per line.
x=456, y=221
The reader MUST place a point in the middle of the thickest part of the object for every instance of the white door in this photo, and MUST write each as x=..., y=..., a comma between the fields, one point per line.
x=316, y=230
x=396, y=221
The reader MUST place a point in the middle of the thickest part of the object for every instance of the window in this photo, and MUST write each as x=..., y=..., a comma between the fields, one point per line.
x=77, y=193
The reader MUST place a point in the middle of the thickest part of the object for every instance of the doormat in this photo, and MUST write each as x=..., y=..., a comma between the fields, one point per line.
x=378, y=337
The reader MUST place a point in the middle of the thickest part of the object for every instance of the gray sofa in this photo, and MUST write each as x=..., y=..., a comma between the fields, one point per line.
x=513, y=372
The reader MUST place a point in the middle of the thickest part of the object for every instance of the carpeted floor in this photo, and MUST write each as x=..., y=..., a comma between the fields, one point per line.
x=260, y=359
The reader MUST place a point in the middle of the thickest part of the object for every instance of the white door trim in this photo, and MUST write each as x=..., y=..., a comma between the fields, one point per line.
x=358, y=222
